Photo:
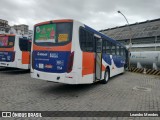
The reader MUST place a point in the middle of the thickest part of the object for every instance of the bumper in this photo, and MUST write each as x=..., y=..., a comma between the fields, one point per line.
x=56, y=77
x=15, y=65
x=8, y=64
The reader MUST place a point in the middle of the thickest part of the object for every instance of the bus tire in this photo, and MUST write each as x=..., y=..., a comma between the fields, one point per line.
x=106, y=76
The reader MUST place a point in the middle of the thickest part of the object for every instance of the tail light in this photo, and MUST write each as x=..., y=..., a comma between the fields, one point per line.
x=13, y=56
x=32, y=60
x=70, y=62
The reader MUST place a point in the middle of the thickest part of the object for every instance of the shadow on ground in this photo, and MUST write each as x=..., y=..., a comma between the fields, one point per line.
x=60, y=89
x=6, y=70
x=65, y=90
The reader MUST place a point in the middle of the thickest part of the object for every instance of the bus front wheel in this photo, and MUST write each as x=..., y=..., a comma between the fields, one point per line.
x=106, y=76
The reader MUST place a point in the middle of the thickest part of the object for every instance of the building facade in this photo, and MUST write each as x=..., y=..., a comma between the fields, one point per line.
x=21, y=29
x=4, y=27
x=145, y=36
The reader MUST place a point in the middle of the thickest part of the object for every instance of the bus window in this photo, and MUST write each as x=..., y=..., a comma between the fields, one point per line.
x=24, y=44
x=125, y=53
x=104, y=46
x=122, y=51
x=53, y=34
x=118, y=50
x=108, y=47
x=113, y=49
x=7, y=41
x=86, y=40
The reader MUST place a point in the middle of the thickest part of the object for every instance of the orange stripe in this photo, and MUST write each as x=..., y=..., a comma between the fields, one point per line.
x=7, y=49
x=63, y=20
x=88, y=63
x=6, y=35
x=53, y=48
x=54, y=21
x=103, y=68
x=46, y=22
x=25, y=57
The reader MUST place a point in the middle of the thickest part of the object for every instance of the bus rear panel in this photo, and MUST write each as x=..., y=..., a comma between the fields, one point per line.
x=51, y=54
x=15, y=51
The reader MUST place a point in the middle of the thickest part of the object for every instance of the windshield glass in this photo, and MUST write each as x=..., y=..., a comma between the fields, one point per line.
x=6, y=41
x=53, y=34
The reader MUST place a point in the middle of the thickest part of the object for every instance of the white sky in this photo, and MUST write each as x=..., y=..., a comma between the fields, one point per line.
x=98, y=14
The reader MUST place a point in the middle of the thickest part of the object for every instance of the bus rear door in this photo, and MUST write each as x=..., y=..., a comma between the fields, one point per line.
x=98, y=56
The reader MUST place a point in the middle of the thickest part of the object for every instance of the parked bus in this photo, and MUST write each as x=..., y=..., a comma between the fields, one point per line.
x=67, y=51
x=15, y=51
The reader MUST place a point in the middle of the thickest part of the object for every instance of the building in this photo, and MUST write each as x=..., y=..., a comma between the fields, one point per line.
x=21, y=29
x=30, y=33
x=4, y=27
x=16, y=29
x=145, y=36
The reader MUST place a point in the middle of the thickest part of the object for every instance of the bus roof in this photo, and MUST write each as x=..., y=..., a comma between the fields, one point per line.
x=87, y=27
x=54, y=21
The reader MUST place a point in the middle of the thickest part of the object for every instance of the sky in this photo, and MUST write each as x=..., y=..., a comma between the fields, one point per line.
x=98, y=14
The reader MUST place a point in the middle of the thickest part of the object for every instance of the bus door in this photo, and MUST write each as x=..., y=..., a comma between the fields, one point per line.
x=98, y=56
x=25, y=47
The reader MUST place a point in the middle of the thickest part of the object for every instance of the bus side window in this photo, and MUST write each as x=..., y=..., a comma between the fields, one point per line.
x=82, y=39
x=90, y=42
x=24, y=44
x=108, y=47
x=86, y=40
x=29, y=45
x=104, y=46
x=123, y=52
x=118, y=50
x=113, y=49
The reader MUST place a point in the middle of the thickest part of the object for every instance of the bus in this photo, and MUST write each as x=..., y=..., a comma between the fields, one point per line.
x=67, y=51
x=15, y=51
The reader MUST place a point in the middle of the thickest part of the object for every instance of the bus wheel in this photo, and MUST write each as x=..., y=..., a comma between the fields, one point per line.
x=106, y=77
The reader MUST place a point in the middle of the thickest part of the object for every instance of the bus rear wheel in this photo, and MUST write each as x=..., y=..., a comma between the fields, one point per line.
x=106, y=77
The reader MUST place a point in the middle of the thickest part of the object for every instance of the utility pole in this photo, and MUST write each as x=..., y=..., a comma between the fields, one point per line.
x=130, y=41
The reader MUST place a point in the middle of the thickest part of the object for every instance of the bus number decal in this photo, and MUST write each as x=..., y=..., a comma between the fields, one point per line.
x=62, y=37
x=60, y=62
x=53, y=55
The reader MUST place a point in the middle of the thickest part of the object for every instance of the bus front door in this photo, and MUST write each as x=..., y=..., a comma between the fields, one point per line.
x=98, y=66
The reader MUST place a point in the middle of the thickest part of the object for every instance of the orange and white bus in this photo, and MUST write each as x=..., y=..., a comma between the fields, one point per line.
x=70, y=52
x=15, y=51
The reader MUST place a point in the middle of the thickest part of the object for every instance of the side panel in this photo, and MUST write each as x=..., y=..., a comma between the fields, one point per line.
x=88, y=63
x=117, y=65
x=7, y=56
x=25, y=57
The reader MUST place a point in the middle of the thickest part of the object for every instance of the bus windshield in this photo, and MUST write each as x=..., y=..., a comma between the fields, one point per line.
x=6, y=41
x=53, y=34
